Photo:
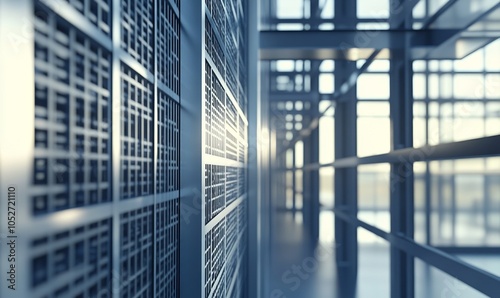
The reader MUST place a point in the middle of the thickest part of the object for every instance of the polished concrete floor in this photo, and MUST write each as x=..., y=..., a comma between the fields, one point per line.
x=300, y=270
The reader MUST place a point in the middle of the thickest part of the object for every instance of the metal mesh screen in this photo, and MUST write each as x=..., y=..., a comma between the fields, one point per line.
x=74, y=262
x=72, y=117
x=225, y=147
x=77, y=103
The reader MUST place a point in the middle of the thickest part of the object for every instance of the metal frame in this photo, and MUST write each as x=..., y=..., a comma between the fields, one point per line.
x=406, y=44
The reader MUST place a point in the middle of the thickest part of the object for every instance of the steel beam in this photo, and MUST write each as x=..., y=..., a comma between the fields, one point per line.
x=476, y=148
x=479, y=279
x=344, y=44
x=401, y=182
x=346, y=185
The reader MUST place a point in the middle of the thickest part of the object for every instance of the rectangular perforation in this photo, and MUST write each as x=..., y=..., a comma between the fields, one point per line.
x=168, y=144
x=72, y=117
x=136, y=253
x=136, y=135
x=83, y=254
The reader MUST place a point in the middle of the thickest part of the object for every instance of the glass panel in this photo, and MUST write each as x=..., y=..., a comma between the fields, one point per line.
x=290, y=9
x=374, y=195
x=373, y=86
x=432, y=282
x=465, y=202
x=490, y=263
x=420, y=233
x=326, y=186
x=326, y=83
x=374, y=130
x=326, y=140
x=299, y=154
x=373, y=267
x=373, y=9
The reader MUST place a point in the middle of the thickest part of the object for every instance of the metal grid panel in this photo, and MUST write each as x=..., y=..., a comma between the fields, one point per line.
x=167, y=252
x=72, y=152
x=72, y=117
x=137, y=135
x=218, y=13
x=208, y=109
x=231, y=80
x=231, y=267
x=215, y=199
x=137, y=31
x=136, y=253
x=98, y=12
x=242, y=181
x=231, y=114
x=232, y=230
x=226, y=143
x=231, y=145
x=218, y=117
x=208, y=263
x=168, y=144
x=168, y=39
x=231, y=184
x=220, y=290
x=214, y=48
x=214, y=256
x=73, y=263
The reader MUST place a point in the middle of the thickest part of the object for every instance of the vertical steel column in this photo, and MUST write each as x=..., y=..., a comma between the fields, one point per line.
x=314, y=178
x=256, y=139
x=268, y=193
x=192, y=141
x=346, y=185
x=310, y=196
x=314, y=149
x=401, y=182
x=346, y=180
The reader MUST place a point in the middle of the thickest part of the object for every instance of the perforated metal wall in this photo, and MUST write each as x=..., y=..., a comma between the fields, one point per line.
x=107, y=132
x=74, y=262
x=226, y=144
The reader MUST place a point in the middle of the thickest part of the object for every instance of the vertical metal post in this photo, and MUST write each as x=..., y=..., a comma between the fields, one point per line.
x=346, y=185
x=257, y=140
x=192, y=182
x=401, y=183
x=346, y=180
x=314, y=147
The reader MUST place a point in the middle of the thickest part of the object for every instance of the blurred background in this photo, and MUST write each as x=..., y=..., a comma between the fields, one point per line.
x=238, y=148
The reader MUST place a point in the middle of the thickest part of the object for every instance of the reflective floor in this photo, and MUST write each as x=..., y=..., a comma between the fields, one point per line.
x=300, y=270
